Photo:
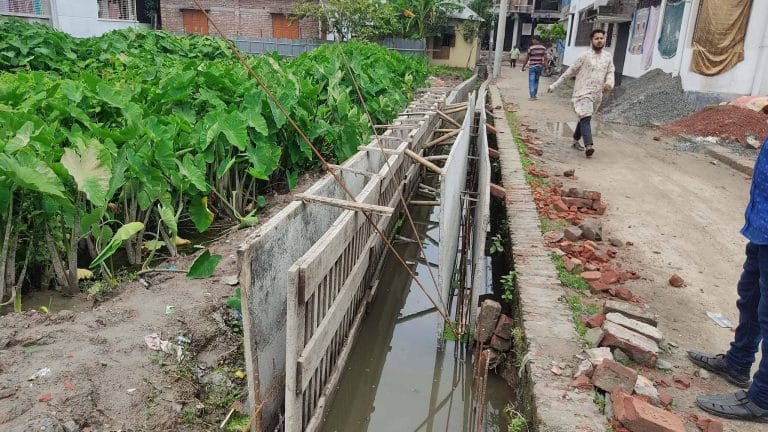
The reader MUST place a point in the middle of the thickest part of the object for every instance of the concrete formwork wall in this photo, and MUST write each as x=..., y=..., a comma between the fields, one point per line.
x=483, y=207
x=268, y=254
x=452, y=183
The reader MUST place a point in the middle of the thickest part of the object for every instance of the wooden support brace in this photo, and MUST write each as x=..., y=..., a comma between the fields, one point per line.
x=498, y=191
x=347, y=205
x=443, y=138
x=427, y=187
x=383, y=150
x=436, y=157
x=490, y=129
x=456, y=105
x=493, y=153
x=447, y=118
x=455, y=110
x=400, y=126
x=423, y=161
x=424, y=203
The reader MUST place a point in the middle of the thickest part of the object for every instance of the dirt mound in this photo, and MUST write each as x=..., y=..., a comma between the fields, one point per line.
x=728, y=122
x=653, y=99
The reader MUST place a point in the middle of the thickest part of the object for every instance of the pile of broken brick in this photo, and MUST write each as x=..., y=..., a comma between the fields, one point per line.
x=633, y=403
x=572, y=204
x=494, y=331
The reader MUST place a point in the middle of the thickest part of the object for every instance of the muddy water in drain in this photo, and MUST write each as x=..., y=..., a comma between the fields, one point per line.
x=400, y=376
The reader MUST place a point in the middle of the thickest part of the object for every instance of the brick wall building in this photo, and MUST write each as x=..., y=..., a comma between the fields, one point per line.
x=250, y=18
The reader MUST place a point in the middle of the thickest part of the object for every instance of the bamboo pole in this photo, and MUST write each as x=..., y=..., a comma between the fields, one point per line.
x=423, y=161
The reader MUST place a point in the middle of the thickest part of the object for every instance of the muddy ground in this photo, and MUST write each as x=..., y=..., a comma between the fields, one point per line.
x=101, y=374
x=682, y=212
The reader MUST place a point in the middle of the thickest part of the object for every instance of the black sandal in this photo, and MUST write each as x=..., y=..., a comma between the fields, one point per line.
x=733, y=406
x=590, y=151
x=716, y=364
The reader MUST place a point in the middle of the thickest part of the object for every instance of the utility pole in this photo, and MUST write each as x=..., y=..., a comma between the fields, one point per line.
x=502, y=28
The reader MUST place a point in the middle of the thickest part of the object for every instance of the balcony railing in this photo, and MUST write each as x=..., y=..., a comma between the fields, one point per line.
x=530, y=6
x=36, y=8
x=521, y=6
x=613, y=11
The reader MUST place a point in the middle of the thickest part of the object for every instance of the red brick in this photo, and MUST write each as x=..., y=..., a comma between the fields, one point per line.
x=592, y=195
x=681, y=382
x=500, y=344
x=640, y=416
x=706, y=424
x=582, y=383
x=610, y=375
x=45, y=398
x=676, y=281
x=665, y=398
x=601, y=209
x=577, y=202
x=623, y=293
x=591, y=275
x=609, y=277
x=661, y=382
x=590, y=244
x=504, y=327
x=638, y=347
x=596, y=287
x=596, y=320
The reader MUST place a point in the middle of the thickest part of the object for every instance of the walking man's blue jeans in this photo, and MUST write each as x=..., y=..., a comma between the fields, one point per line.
x=753, y=323
x=534, y=72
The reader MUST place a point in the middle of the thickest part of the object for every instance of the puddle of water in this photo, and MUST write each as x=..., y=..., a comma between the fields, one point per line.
x=400, y=376
x=562, y=129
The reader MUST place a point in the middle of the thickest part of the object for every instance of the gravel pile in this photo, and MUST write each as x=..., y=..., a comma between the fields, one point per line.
x=653, y=99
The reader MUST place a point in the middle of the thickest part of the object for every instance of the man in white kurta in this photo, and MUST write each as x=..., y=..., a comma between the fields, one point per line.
x=594, y=75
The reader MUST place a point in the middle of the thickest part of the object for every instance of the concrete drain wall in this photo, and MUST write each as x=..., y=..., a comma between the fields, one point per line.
x=306, y=274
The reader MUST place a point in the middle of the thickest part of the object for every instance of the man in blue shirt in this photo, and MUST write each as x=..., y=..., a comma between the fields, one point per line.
x=736, y=364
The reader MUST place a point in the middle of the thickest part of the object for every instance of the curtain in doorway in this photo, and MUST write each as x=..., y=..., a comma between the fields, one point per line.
x=638, y=30
x=718, y=41
x=670, y=28
x=650, y=36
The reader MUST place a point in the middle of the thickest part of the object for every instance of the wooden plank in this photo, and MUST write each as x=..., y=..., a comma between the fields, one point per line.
x=383, y=150
x=424, y=203
x=294, y=344
x=347, y=205
x=316, y=347
x=423, y=161
x=352, y=170
x=447, y=118
x=443, y=138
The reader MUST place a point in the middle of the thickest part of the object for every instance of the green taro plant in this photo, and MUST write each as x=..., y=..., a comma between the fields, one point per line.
x=111, y=147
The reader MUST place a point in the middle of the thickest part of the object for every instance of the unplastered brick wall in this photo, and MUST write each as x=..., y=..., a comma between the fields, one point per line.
x=249, y=18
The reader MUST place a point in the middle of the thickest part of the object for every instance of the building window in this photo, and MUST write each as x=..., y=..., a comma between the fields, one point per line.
x=284, y=28
x=583, y=33
x=195, y=21
x=26, y=7
x=117, y=9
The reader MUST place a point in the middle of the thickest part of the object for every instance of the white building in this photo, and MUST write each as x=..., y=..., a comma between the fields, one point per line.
x=80, y=18
x=635, y=37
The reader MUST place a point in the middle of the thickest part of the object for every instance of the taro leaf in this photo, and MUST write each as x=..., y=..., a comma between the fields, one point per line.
x=261, y=201
x=257, y=121
x=124, y=233
x=21, y=139
x=292, y=177
x=31, y=173
x=204, y=265
x=169, y=219
x=154, y=245
x=248, y=220
x=264, y=157
x=89, y=220
x=90, y=174
x=233, y=127
x=199, y=213
x=224, y=166
x=190, y=170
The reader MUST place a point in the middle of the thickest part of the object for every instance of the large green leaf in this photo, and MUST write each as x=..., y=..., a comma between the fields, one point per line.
x=264, y=157
x=169, y=219
x=124, y=233
x=90, y=174
x=201, y=216
x=204, y=265
x=233, y=126
x=191, y=172
x=21, y=139
x=30, y=173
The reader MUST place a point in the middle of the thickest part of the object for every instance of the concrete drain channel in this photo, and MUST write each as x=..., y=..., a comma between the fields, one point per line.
x=339, y=335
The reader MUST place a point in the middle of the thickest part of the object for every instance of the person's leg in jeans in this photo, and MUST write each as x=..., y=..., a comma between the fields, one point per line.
x=585, y=130
x=577, y=136
x=514, y=63
x=753, y=323
x=533, y=80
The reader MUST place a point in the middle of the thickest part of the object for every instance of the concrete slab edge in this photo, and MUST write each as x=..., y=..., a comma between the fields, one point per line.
x=739, y=163
x=544, y=398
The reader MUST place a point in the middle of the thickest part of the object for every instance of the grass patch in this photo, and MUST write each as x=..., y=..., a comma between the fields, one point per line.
x=442, y=70
x=567, y=278
x=236, y=423
x=599, y=400
x=449, y=336
x=548, y=225
x=515, y=421
x=577, y=309
x=525, y=161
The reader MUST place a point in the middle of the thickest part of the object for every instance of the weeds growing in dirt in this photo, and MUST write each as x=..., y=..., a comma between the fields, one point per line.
x=577, y=309
x=508, y=283
x=567, y=278
x=517, y=422
x=548, y=225
x=599, y=400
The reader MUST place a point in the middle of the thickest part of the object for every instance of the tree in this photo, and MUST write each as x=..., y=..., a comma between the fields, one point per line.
x=359, y=19
x=551, y=32
x=426, y=17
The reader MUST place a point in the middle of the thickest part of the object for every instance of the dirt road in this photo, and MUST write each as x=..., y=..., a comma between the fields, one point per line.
x=682, y=212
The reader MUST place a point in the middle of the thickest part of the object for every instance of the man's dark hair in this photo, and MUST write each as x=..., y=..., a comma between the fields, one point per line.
x=596, y=31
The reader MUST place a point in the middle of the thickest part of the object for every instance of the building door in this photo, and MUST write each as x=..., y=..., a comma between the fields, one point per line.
x=283, y=28
x=620, y=50
x=195, y=21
